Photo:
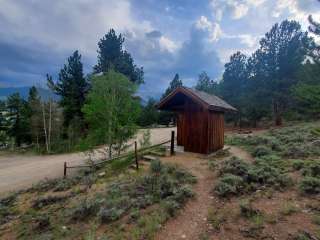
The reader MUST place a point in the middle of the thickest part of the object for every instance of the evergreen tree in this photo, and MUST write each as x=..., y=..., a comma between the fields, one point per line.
x=205, y=84
x=35, y=116
x=176, y=82
x=112, y=56
x=72, y=88
x=149, y=114
x=18, y=127
x=281, y=53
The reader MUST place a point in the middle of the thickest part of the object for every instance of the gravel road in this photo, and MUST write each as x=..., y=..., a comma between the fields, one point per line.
x=18, y=171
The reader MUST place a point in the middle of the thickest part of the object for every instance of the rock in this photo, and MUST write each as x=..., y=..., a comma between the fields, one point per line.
x=184, y=236
x=102, y=174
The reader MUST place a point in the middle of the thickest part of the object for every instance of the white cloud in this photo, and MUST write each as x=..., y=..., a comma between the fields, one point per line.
x=240, y=10
x=213, y=28
x=237, y=9
x=167, y=44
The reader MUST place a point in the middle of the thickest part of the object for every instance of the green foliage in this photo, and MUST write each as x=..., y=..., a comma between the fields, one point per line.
x=310, y=185
x=72, y=88
x=48, y=200
x=205, y=84
x=149, y=114
x=112, y=56
x=110, y=111
x=229, y=185
x=260, y=151
x=235, y=166
x=18, y=119
x=175, y=83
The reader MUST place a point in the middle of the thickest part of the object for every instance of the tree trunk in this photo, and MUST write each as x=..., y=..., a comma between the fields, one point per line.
x=277, y=114
x=45, y=127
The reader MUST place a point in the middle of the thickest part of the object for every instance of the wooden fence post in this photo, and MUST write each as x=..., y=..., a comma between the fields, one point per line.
x=172, y=143
x=65, y=170
x=136, y=155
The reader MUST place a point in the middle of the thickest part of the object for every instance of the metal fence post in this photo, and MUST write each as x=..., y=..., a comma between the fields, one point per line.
x=136, y=155
x=172, y=143
x=65, y=170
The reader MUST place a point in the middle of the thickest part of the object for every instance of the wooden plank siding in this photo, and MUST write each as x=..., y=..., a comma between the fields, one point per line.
x=200, y=130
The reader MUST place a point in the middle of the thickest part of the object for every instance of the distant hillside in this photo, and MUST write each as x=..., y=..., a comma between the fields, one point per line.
x=24, y=91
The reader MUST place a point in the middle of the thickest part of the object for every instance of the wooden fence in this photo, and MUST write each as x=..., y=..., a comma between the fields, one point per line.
x=134, y=153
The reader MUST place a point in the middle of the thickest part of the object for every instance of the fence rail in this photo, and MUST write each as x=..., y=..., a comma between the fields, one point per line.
x=134, y=153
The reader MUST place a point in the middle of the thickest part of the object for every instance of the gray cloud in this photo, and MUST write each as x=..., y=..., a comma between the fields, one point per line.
x=154, y=34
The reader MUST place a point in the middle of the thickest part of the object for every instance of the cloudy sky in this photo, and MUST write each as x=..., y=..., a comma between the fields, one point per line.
x=163, y=36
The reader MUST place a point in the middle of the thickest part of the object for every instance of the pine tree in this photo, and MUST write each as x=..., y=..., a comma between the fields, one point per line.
x=112, y=56
x=176, y=82
x=35, y=119
x=72, y=88
x=205, y=84
x=18, y=119
x=281, y=53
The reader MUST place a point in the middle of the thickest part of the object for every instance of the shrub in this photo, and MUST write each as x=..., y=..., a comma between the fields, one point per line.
x=84, y=209
x=312, y=169
x=182, y=194
x=107, y=215
x=63, y=185
x=247, y=210
x=229, y=185
x=297, y=164
x=260, y=151
x=235, y=166
x=171, y=207
x=47, y=200
x=310, y=185
x=156, y=166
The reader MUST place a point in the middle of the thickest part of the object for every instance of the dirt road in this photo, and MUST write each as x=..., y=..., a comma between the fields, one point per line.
x=21, y=171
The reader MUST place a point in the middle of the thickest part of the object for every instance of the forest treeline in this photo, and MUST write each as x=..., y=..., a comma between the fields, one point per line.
x=280, y=80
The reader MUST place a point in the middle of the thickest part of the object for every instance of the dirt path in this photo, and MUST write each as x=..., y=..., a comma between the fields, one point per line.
x=18, y=171
x=192, y=220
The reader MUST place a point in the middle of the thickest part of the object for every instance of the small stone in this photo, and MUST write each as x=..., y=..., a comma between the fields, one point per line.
x=64, y=228
x=183, y=236
x=102, y=174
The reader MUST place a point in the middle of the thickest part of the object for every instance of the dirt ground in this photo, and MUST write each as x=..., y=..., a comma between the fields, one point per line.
x=18, y=171
x=192, y=221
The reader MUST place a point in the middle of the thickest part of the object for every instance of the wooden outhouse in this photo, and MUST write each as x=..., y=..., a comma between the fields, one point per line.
x=200, y=119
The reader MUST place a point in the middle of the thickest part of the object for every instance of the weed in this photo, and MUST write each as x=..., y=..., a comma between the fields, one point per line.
x=247, y=210
x=316, y=219
x=216, y=218
x=289, y=208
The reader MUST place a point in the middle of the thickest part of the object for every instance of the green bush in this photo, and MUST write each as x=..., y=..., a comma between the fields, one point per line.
x=171, y=207
x=107, y=215
x=260, y=151
x=297, y=164
x=229, y=184
x=312, y=169
x=310, y=185
x=47, y=200
x=235, y=166
x=85, y=208
x=156, y=166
